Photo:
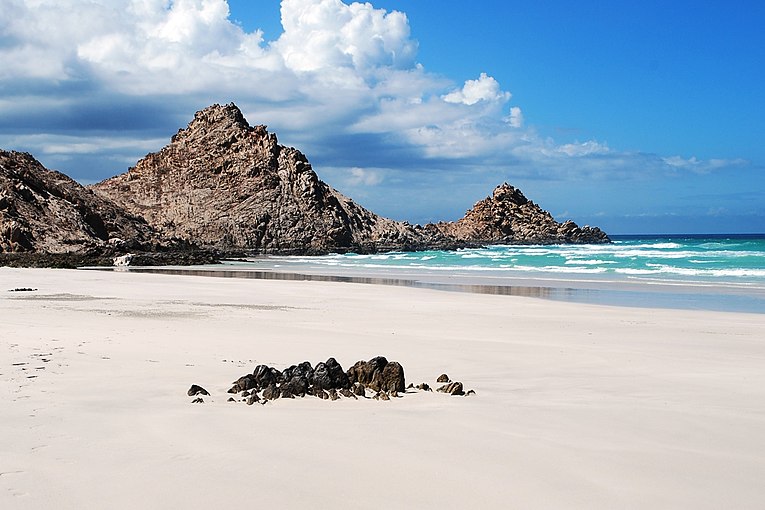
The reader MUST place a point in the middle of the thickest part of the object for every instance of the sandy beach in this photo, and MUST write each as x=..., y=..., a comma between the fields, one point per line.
x=576, y=405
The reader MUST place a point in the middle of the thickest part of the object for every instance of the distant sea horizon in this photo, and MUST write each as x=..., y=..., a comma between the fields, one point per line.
x=724, y=272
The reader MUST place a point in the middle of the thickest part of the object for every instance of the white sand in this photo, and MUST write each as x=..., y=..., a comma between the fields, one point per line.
x=578, y=406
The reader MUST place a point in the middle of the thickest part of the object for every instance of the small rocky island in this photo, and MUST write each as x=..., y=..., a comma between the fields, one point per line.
x=222, y=186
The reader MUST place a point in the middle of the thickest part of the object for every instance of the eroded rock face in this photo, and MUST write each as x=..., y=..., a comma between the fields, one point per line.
x=508, y=217
x=43, y=210
x=224, y=183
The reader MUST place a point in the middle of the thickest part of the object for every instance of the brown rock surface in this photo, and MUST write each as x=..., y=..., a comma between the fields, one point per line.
x=221, y=182
x=43, y=210
x=508, y=217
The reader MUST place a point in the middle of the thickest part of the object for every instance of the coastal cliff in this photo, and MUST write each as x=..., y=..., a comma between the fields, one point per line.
x=223, y=183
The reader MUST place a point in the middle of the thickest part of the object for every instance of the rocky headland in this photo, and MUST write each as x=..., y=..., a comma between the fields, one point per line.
x=222, y=186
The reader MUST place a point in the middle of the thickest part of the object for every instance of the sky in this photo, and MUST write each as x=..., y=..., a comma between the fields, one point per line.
x=638, y=117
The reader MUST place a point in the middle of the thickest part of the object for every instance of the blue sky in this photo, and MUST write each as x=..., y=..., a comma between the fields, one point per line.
x=639, y=117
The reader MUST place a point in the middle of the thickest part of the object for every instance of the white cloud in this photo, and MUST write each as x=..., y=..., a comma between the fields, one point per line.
x=341, y=82
x=329, y=34
x=364, y=177
x=485, y=88
x=702, y=166
x=515, y=119
x=587, y=148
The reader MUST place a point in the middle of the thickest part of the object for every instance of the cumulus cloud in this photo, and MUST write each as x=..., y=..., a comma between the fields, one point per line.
x=364, y=177
x=328, y=34
x=485, y=88
x=113, y=80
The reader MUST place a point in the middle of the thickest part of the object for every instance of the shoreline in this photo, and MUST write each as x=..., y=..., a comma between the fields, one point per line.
x=625, y=293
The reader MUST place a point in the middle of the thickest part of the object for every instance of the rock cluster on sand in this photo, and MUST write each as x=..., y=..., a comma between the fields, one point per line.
x=327, y=380
x=377, y=378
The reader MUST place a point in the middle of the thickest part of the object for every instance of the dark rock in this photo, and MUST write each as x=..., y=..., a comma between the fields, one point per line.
x=271, y=392
x=470, y=392
x=347, y=393
x=244, y=383
x=333, y=394
x=424, y=387
x=393, y=377
x=381, y=395
x=453, y=388
x=198, y=400
x=296, y=386
x=263, y=376
x=330, y=375
x=321, y=394
x=196, y=390
x=231, y=399
x=443, y=378
x=303, y=371
x=286, y=393
x=378, y=374
x=359, y=390
x=252, y=399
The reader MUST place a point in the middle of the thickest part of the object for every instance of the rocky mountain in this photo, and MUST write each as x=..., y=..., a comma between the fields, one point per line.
x=508, y=217
x=45, y=211
x=223, y=183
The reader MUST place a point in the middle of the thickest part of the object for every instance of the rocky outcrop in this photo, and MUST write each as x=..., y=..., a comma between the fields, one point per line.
x=45, y=211
x=327, y=380
x=508, y=217
x=221, y=182
x=378, y=374
x=226, y=185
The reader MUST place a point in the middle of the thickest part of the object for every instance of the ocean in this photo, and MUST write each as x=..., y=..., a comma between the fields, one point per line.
x=714, y=272
x=734, y=260
x=709, y=272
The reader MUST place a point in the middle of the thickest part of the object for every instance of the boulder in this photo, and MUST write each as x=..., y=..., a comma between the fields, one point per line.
x=196, y=390
x=452, y=388
x=330, y=375
x=378, y=374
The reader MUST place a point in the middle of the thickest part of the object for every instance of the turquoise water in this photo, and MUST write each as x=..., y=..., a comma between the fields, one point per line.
x=724, y=273
x=733, y=260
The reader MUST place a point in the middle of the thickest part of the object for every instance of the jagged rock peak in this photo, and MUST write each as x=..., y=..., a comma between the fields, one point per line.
x=507, y=193
x=216, y=117
x=223, y=183
x=508, y=217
